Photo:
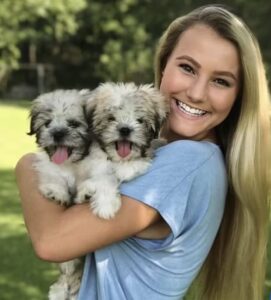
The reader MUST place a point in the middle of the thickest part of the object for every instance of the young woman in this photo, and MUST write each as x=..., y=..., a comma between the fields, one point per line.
x=203, y=204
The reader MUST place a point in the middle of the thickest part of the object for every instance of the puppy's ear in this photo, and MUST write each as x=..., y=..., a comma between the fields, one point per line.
x=162, y=109
x=32, y=130
x=33, y=115
x=90, y=105
x=159, y=105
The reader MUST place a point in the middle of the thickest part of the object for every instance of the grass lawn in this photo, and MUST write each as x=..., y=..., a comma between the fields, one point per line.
x=22, y=275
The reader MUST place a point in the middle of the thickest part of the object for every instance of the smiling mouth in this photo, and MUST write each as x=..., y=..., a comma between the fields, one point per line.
x=190, y=110
x=60, y=154
x=123, y=148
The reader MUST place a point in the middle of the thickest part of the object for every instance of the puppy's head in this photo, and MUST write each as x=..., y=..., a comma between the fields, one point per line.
x=125, y=118
x=59, y=122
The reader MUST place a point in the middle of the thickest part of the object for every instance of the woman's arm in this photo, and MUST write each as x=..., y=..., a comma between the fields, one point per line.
x=59, y=234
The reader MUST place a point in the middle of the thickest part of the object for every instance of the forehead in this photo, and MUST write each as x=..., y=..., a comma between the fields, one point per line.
x=206, y=46
x=118, y=100
x=66, y=103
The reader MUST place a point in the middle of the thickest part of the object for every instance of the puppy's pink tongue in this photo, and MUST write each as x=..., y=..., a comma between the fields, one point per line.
x=60, y=155
x=123, y=148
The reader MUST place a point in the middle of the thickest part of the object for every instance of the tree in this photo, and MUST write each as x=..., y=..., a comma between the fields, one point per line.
x=33, y=22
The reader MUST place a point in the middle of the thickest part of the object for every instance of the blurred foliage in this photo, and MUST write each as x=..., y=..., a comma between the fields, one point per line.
x=89, y=41
x=35, y=21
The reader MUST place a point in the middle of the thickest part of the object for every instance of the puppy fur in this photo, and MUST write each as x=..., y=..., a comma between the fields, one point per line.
x=110, y=135
x=125, y=120
x=58, y=120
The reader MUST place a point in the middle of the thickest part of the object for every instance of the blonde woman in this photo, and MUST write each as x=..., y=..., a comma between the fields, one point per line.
x=236, y=265
x=203, y=204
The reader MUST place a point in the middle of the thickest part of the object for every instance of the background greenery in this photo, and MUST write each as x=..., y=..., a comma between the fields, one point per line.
x=85, y=42
x=22, y=275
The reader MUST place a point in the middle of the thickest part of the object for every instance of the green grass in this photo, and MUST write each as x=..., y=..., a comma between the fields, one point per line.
x=22, y=275
x=14, y=141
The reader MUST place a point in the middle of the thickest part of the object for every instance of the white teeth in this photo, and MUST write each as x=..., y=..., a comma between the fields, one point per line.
x=190, y=110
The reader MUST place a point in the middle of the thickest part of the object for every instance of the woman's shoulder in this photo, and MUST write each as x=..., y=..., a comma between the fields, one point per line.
x=190, y=145
x=189, y=152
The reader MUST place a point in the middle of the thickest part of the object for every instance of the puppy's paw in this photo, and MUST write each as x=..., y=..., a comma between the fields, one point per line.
x=105, y=206
x=85, y=192
x=55, y=193
x=59, y=290
x=75, y=285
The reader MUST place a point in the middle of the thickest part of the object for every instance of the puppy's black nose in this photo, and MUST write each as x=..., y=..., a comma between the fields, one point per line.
x=59, y=134
x=125, y=131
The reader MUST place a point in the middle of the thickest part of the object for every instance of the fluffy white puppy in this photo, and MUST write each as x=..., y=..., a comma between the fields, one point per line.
x=58, y=120
x=125, y=120
x=93, y=141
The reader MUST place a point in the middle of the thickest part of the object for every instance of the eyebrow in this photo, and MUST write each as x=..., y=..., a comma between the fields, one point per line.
x=221, y=73
x=189, y=59
x=226, y=73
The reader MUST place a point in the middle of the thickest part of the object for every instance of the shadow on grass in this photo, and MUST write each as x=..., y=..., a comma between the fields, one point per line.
x=22, y=275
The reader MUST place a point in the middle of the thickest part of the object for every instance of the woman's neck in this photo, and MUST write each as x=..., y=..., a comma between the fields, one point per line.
x=171, y=136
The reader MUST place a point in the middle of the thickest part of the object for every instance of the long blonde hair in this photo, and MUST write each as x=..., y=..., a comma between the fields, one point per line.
x=235, y=267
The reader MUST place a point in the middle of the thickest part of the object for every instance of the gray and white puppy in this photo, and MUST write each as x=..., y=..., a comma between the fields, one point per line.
x=58, y=120
x=125, y=120
x=92, y=142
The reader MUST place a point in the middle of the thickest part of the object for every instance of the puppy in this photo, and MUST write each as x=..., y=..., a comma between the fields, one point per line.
x=92, y=142
x=58, y=120
x=125, y=120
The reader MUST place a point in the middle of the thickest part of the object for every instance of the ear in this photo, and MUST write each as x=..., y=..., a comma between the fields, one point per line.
x=90, y=105
x=33, y=115
x=160, y=107
x=32, y=130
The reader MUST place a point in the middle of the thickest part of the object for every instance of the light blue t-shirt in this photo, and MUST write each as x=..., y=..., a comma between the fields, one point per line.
x=187, y=185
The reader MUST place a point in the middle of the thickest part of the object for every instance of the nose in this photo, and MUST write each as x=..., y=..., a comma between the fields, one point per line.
x=59, y=134
x=124, y=131
x=197, y=91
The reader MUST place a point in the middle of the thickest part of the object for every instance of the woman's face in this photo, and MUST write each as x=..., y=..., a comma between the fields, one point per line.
x=201, y=81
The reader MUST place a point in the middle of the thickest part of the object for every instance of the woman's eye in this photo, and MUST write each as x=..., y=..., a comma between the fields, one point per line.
x=187, y=68
x=222, y=82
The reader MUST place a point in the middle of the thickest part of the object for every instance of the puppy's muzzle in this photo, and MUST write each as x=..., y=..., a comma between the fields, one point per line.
x=125, y=131
x=59, y=134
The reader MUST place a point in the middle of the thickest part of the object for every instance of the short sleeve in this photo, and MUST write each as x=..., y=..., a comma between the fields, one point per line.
x=180, y=185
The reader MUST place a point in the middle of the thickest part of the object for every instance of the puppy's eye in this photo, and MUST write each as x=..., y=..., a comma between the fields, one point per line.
x=111, y=118
x=140, y=120
x=47, y=123
x=73, y=123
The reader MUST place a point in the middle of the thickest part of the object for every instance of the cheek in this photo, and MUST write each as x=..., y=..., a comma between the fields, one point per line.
x=173, y=81
x=224, y=108
x=168, y=81
x=164, y=86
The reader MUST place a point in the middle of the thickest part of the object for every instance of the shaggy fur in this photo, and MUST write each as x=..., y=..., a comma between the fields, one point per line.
x=125, y=120
x=93, y=141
